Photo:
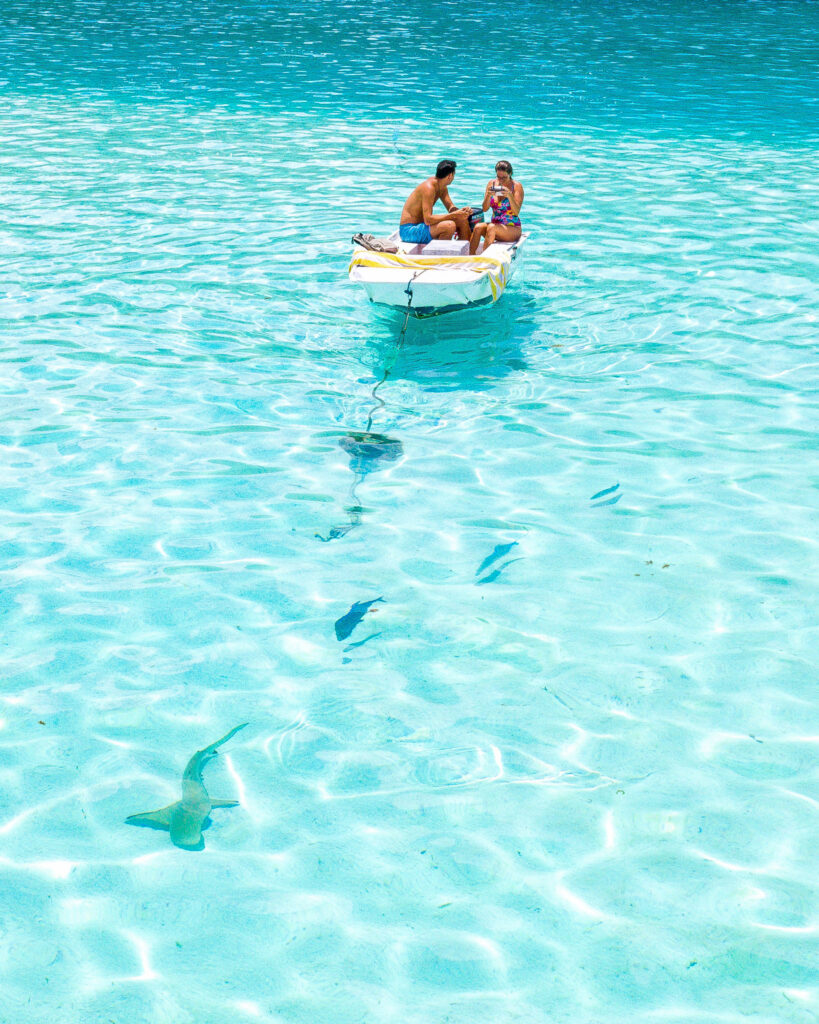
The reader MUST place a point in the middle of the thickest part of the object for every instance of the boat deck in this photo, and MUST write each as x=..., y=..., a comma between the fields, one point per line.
x=452, y=247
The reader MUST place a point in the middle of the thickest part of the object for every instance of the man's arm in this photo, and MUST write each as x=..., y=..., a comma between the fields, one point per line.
x=453, y=209
x=447, y=201
x=432, y=218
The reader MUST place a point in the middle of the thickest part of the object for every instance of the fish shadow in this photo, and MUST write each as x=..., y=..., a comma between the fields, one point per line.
x=499, y=552
x=604, y=494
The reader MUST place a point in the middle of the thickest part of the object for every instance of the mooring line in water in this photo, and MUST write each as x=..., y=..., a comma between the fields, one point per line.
x=379, y=402
x=370, y=446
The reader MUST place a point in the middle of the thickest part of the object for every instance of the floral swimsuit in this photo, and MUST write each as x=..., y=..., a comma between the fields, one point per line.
x=502, y=212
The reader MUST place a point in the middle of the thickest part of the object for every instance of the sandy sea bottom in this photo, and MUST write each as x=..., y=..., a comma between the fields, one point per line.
x=563, y=770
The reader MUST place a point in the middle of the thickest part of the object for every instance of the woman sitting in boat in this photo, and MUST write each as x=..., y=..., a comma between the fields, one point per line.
x=505, y=196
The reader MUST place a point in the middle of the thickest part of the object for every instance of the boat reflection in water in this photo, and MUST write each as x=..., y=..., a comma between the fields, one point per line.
x=368, y=453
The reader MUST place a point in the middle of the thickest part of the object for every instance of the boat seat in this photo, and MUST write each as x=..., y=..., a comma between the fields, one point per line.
x=446, y=247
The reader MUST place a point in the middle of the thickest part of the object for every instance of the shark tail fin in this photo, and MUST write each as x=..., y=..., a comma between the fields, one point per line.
x=211, y=748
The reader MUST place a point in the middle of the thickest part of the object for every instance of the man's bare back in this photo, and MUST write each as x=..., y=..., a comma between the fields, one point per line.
x=418, y=208
x=417, y=211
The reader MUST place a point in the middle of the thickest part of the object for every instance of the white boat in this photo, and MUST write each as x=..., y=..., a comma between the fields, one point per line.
x=439, y=277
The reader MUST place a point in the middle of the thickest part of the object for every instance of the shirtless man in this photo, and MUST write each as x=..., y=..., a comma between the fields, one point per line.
x=419, y=224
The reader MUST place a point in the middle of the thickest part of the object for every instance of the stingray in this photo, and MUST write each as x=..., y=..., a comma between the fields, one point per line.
x=188, y=817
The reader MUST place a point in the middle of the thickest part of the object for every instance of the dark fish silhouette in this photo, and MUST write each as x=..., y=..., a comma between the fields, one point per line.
x=367, y=449
x=347, y=623
x=186, y=818
x=496, y=572
x=499, y=552
x=604, y=492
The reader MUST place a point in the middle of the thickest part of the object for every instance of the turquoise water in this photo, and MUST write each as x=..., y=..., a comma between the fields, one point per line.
x=571, y=783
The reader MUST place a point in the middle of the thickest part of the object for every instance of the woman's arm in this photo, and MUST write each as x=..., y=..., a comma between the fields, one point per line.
x=515, y=197
x=486, y=195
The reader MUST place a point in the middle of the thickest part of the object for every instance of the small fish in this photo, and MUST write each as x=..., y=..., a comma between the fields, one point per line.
x=186, y=818
x=347, y=623
x=499, y=551
x=611, y=501
x=604, y=492
x=557, y=697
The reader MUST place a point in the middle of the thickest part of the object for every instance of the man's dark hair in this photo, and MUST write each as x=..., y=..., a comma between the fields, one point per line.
x=445, y=168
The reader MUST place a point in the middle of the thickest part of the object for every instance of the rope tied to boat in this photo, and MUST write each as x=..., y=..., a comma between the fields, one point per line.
x=379, y=402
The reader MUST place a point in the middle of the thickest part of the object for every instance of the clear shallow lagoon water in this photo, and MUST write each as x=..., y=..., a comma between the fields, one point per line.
x=578, y=785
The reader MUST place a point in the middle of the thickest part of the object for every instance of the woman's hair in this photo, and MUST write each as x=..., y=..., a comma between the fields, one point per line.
x=444, y=168
x=504, y=165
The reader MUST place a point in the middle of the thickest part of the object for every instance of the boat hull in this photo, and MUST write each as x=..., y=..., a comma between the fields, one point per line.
x=426, y=284
x=425, y=299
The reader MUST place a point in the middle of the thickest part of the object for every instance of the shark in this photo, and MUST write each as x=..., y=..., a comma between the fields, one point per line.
x=187, y=818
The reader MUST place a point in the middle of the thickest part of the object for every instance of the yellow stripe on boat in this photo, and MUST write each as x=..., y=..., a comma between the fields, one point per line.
x=391, y=260
x=495, y=270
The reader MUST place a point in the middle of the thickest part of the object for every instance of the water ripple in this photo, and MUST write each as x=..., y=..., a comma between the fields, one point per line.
x=582, y=792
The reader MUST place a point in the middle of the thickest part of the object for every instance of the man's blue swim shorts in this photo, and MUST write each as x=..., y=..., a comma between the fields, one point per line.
x=418, y=234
